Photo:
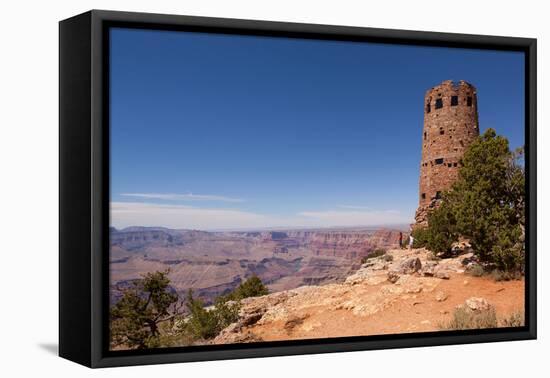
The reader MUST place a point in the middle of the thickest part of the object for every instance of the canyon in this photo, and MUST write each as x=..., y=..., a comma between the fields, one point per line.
x=215, y=263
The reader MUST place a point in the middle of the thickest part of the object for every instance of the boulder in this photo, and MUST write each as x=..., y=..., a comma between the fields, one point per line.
x=428, y=268
x=250, y=319
x=409, y=266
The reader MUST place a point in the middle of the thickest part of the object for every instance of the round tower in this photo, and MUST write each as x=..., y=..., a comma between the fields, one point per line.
x=450, y=126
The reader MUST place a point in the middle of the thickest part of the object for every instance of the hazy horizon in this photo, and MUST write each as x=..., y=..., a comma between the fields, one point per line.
x=401, y=227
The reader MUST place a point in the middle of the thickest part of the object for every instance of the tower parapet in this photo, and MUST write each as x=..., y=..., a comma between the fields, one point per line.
x=450, y=126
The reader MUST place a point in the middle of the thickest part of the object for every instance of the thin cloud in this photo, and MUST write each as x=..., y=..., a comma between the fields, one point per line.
x=181, y=197
x=350, y=217
x=354, y=207
x=124, y=214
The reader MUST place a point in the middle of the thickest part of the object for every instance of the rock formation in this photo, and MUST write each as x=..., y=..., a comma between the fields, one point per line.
x=386, y=295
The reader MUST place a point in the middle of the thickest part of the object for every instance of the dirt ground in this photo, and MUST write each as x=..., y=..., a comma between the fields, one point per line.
x=417, y=312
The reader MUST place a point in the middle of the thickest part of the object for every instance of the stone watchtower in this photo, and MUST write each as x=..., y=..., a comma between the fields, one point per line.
x=450, y=126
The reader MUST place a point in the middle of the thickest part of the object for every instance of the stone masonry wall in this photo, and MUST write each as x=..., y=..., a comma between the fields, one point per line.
x=450, y=126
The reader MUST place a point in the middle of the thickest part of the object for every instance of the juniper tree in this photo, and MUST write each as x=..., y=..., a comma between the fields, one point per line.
x=136, y=317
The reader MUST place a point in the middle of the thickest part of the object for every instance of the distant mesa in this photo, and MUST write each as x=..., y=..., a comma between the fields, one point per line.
x=214, y=263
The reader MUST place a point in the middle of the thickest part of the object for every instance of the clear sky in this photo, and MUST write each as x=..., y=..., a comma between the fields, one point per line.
x=232, y=132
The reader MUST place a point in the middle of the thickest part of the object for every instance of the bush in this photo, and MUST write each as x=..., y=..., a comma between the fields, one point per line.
x=420, y=236
x=207, y=323
x=376, y=253
x=476, y=270
x=517, y=319
x=442, y=231
x=500, y=275
x=466, y=319
x=172, y=335
x=252, y=287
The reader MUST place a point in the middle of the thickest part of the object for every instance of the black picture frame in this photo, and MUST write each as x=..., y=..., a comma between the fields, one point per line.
x=84, y=187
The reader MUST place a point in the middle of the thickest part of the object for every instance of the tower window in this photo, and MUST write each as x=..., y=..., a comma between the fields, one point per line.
x=437, y=195
x=454, y=100
x=424, y=135
x=423, y=195
x=469, y=101
x=428, y=108
x=439, y=161
x=449, y=165
x=455, y=164
x=438, y=103
x=441, y=131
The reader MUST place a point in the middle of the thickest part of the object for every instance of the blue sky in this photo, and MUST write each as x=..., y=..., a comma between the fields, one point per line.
x=232, y=132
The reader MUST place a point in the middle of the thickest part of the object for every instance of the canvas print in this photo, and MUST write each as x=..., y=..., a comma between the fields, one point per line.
x=269, y=189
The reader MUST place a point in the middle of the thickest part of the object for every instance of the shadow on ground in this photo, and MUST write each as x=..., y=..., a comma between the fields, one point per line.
x=51, y=348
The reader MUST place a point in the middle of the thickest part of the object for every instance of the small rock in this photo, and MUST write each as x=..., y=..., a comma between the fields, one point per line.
x=466, y=282
x=500, y=289
x=440, y=296
x=443, y=312
x=425, y=322
x=442, y=274
x=411, y=289
x=477, y=304
x=393, y=276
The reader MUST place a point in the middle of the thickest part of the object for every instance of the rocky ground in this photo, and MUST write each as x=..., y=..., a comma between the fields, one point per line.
x=402, y=291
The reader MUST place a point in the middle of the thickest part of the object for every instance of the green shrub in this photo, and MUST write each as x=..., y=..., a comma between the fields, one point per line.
x=442, y=231
x=202, y=323
x=171, y=335
x=476, y=270
x=420, y=236
x=466, y=319
x=207, y=323
x=252, y=287
x=377, y=253
x=501, y=275
x=374, y=254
